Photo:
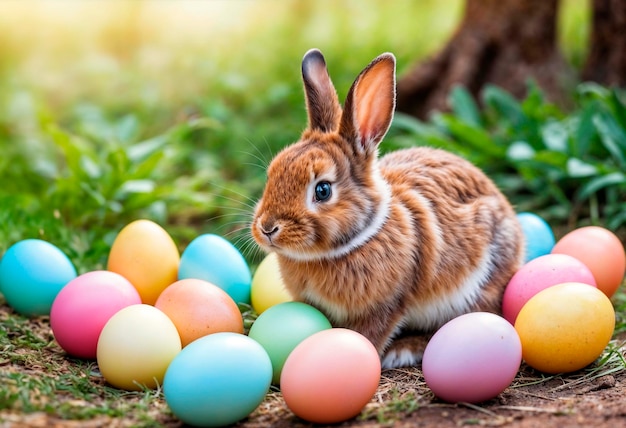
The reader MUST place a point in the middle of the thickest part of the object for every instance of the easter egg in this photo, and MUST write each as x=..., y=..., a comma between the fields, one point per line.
x=599, y=249
x=268, y=288
x=214, y=259
x=280, y=328
x=330, y=376
x=472, y=358
x=217, y=380
x=198, y=308
x=84, y=305
x=32, y=272
x=539, y=274
x=538, y=235
x=146, y=255
x=136, y=346
x=565, y=327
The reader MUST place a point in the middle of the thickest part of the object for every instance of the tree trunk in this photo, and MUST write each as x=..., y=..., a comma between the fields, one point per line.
x=606, y=63
x=504, y=42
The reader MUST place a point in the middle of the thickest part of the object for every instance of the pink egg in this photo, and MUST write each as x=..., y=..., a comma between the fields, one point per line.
x=472, y=358
x=84, y=305
x=539, y=274
x=330, y=376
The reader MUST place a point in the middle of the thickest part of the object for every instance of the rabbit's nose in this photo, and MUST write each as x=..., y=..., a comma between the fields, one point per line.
x=269, y=230
x=267, y=227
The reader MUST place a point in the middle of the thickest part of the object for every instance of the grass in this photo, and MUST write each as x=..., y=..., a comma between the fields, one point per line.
x=38, y=379
x=170, y=111
x=41, y=383
x=403, y=393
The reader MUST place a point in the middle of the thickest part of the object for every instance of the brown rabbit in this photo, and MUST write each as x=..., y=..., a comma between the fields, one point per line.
x=393, y=247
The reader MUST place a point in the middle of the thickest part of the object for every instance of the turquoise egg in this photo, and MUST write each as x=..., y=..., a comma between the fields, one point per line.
x=217, y=380
x=282, y=327
x=32, y=272
x=212, y=258
x=538, y=235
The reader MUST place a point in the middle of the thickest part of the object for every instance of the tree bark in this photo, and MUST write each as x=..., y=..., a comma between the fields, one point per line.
x=504, y=42
x=606, y=63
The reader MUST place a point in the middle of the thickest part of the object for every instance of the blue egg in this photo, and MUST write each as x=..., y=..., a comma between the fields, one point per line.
x=538, y=235
x=212, y=258
x=32, y=272
x=217, y=380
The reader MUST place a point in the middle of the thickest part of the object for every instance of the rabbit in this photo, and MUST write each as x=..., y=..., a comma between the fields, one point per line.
x=392, y=248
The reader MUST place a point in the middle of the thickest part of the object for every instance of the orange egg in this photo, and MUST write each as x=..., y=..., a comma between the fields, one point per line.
x=198, y=308
x=145, y=254
x=602, y=252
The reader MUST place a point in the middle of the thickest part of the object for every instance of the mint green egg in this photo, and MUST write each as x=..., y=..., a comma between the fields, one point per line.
x=282, y=327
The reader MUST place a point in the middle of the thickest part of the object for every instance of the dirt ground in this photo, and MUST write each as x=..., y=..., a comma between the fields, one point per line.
x=576, y=400
x=593, y=397
x=559, y=402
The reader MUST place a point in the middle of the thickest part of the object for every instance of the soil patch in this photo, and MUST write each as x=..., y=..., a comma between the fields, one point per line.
x=581, y=399
x=591, y=397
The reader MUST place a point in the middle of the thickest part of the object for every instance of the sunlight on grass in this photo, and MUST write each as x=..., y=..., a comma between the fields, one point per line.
x=172, y=52
x=213, y=88
x=574, y=28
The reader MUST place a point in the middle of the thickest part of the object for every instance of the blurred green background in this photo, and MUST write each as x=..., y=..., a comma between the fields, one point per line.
x=170, y=110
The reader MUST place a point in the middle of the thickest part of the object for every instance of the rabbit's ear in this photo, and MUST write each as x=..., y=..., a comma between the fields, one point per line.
x=370, y=104
x=321, y=98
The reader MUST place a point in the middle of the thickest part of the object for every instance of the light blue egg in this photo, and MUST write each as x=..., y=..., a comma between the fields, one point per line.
x=217, y=380
x=212, y=258
x=32, y=272
x=538, y=235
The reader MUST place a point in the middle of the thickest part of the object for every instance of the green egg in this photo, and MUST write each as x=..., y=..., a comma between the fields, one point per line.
x=282, y=327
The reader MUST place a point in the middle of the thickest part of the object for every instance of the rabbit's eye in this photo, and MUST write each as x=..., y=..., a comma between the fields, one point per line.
x=323, y=191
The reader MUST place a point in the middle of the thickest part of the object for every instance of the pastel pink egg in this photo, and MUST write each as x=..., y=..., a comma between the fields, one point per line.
x=472, y=358
x=84, y=305
x=330, y=376
x=539, y=274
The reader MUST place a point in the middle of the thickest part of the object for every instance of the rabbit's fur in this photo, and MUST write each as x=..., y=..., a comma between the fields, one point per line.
x=392, y=247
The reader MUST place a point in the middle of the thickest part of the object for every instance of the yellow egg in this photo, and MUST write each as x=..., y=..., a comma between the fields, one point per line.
x=268, y=288
x=136, y=346
x=565, y=327
x=145, y=254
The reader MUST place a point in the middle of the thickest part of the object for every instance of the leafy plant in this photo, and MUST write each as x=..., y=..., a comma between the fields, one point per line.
x=98, y=171
x=566, y=166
